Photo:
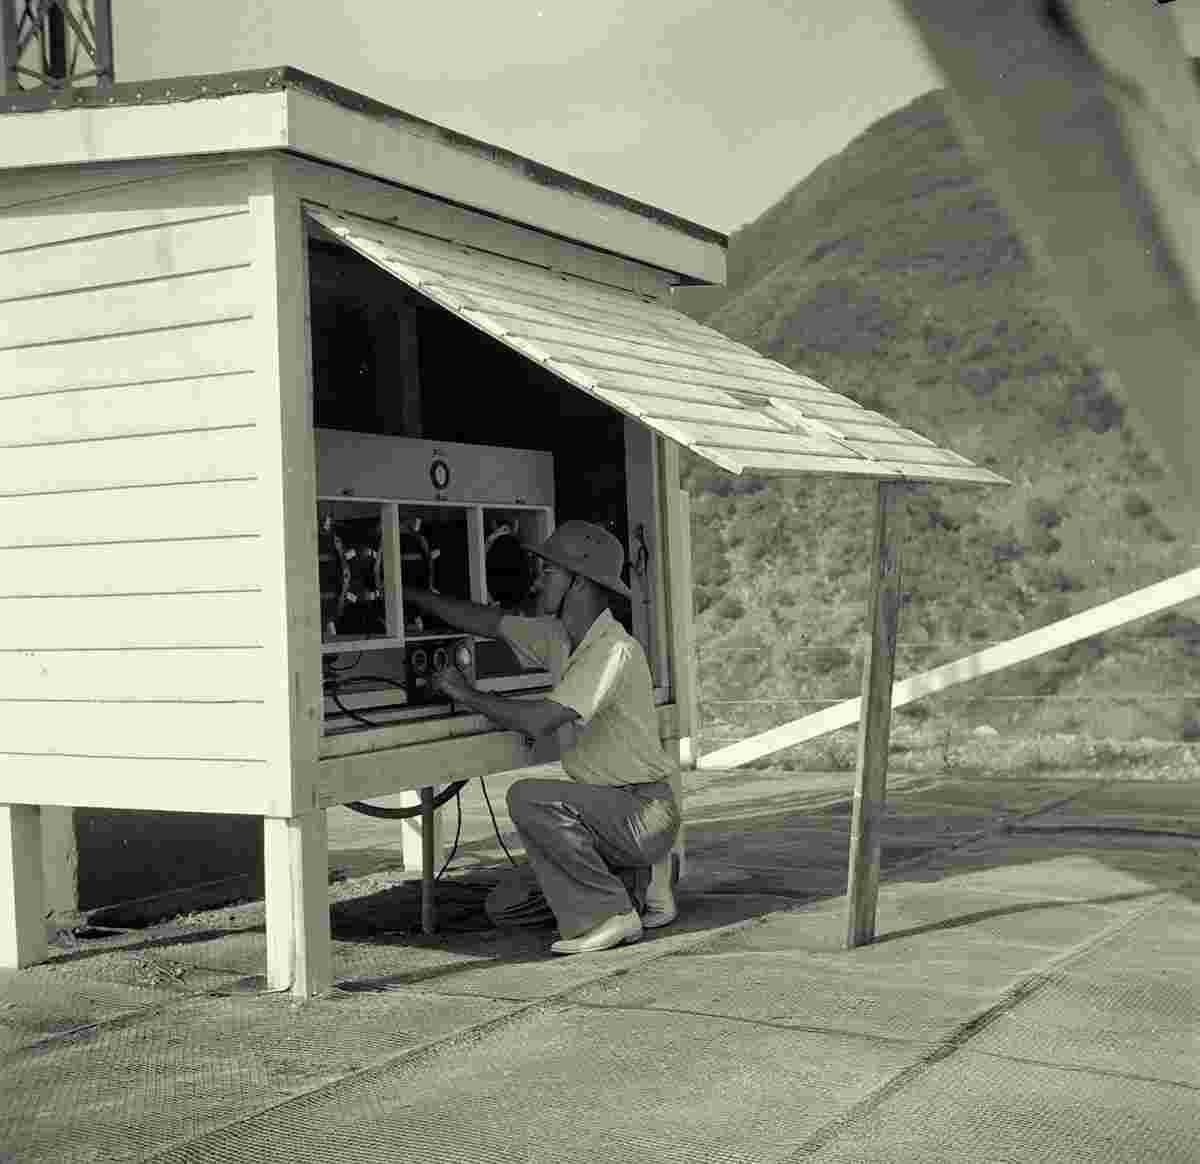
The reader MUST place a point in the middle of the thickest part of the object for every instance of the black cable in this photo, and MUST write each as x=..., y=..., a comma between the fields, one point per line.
x=457, y=834
x=495, y=826
x=346, y=711
x=345, y=666
x=454, y=789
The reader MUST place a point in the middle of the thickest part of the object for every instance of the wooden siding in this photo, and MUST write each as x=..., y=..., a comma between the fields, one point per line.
x=135, y=596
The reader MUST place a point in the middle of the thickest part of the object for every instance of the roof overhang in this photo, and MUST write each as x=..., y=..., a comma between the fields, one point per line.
x=735, y=408
x=285, y=109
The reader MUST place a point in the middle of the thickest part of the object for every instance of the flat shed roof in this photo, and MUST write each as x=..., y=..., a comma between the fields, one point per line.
x=286, y=108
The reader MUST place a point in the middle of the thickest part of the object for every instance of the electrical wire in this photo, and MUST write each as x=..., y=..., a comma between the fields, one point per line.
x=451, y=790
x=495, y=826
x=457, y=834
x=345, y=666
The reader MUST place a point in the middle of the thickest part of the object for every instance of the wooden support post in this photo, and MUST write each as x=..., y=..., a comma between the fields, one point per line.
x=296, y=861
x=22, y=910
x=428, y=904
x=870, y=786
x=677, y=556
x=415, y=841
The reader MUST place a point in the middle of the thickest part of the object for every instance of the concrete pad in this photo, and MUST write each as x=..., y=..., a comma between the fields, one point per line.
x=975, y=1109
x=1039, y=873
x=847, y=995
x=571, y=1084
x=127, y=1091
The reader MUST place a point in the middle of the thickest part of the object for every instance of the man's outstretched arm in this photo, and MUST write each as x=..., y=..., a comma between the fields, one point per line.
x=530, y=717
x=466, y=616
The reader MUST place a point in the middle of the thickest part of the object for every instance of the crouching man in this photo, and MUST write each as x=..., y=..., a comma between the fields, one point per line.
x=600, y=842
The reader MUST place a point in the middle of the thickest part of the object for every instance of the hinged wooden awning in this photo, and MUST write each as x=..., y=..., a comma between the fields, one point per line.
x=735, y=408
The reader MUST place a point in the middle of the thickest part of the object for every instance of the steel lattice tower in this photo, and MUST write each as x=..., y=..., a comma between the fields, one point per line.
x=42, y=42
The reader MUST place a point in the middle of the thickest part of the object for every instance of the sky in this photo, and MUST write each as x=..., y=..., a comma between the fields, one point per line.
x=711, y=109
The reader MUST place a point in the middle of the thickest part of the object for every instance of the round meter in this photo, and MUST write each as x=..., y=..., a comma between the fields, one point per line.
x=462, y=657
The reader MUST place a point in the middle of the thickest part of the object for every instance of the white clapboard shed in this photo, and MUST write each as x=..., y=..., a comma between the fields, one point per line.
x=247, y=320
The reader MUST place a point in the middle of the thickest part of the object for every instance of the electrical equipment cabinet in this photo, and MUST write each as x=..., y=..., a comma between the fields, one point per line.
x=442, y=516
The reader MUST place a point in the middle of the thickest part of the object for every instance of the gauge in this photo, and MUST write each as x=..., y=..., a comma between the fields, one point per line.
x=440, y=658
x=420, y=661
x=462, y=657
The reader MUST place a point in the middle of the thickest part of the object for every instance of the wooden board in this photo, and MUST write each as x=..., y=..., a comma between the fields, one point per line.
x=1107, y=616
x=788, y=464
x=292, y=638
x=78, y=136
x=202, y=674
x=470, y=177
x=145, y=253
x=129, y=410
x=177, y=301
x=391, y=205
x=141, y=358
x=155, y=785
x=172, y=731
x=379, y=773
x=222, y=618
x=61, y=204
x=165, y=513
x=121, y=462
x=296, y=884
x=132, y=567
x=870, y=785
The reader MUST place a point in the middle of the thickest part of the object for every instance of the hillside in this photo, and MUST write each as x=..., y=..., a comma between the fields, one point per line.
x=892, y=275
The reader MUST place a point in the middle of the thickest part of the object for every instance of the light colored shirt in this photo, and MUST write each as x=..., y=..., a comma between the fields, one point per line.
x=606, y=679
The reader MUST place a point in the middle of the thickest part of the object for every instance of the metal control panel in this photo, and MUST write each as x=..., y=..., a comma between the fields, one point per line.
x=445, y=518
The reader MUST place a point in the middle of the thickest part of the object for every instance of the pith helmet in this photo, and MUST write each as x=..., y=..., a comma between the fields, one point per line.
x=586, y=549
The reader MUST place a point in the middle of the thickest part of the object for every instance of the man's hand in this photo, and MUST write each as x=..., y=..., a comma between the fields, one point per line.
x=451, y=682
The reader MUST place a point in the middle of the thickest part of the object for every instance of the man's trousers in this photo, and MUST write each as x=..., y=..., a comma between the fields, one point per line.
x=591, y=845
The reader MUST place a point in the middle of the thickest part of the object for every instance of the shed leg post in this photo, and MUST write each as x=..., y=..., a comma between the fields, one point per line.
x=22, y=890
x=870, y=787
x=413, y=833
x=428, y=901
x=296, y=881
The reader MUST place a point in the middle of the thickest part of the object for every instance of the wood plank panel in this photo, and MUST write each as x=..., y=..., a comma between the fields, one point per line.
x=132, y=567
x=559, y=340
x=166, y=513
x=651, y=388
x=245, y=786
x=785, y=464
x=130, y=410
x=603, y=363
x=369, y=774
x=208, y=349
x=56, y=204
x=178, y=301
x=752, y=441
x=734, y=417
x=226, y=618
x=150, y=253
x=927, y=472
x=198, y=675
x=176, y=731
x=356, y=194
x=121, y=462
x=906, y=453
x=168, y=458
x=410, y=157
